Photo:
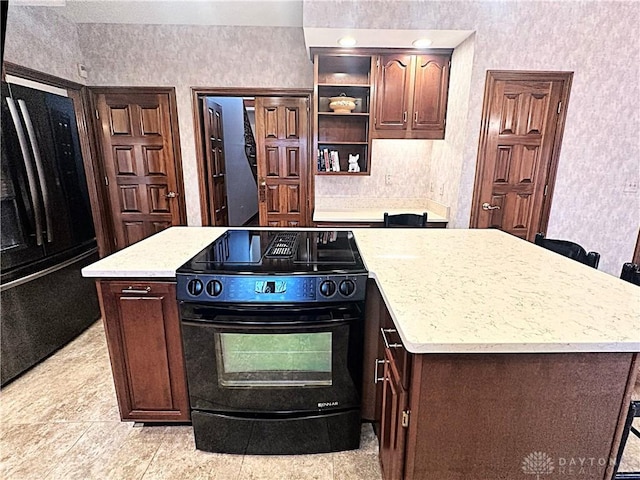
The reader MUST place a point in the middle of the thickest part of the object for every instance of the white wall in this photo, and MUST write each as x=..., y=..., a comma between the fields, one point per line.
x=41, y=39
x=194, y=56
x=598, y=41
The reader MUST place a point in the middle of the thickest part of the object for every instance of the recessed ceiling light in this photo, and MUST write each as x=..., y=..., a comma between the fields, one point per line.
x=347, y=41
x=421, y=43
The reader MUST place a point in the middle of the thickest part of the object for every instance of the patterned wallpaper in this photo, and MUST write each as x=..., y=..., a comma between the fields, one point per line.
x=195, y=56
x=41, y=39
x=599, y=41
x=404, y=161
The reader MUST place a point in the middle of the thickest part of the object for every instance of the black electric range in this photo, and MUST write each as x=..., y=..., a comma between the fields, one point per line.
x=268, y=266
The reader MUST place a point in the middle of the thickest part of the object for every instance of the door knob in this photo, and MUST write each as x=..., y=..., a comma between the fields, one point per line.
x=171, y=195
x=487, y=206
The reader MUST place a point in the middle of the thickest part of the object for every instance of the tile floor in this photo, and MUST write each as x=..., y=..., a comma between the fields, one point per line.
x=61, y=421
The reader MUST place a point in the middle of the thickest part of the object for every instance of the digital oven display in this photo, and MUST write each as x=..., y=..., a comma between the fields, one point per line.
x=270, y=287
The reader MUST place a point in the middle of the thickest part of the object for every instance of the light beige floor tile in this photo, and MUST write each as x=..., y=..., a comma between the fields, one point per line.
x=177, y=458
x=361, y=464
x=109, y=450
x=368, y=440
x=356, y=465
x=287, y=467
x=75, y=384
x=31, y=451
x=61, y=421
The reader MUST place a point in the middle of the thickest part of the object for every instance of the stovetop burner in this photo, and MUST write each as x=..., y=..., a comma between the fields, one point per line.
x=271, y=266
x=276, y=252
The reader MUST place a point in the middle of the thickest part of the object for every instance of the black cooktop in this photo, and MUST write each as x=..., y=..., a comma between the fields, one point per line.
x=279, y=252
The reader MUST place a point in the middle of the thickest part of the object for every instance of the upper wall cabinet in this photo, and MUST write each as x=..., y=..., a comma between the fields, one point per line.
x=411, y=95
x=342, y=113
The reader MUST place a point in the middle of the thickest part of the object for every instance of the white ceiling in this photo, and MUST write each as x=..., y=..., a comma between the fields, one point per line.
x=276, y=13
x=328, y=37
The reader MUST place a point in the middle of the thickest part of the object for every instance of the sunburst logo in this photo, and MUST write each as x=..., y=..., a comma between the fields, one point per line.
x=537, y=463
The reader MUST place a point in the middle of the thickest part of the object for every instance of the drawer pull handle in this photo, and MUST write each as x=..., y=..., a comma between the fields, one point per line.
x=376, y=378
x=138, y=291
x=384, y=331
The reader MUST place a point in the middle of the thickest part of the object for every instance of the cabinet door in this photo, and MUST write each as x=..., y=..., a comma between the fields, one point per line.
x=392, y=92
x=145, y=346
x=392, y=430
x=430, y=92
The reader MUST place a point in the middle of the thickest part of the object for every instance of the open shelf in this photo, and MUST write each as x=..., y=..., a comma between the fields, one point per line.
x=344, y=133
x=343, y=69
x=344, y=150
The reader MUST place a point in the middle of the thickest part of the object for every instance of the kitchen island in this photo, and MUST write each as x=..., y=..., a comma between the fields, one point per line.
x=500, y=353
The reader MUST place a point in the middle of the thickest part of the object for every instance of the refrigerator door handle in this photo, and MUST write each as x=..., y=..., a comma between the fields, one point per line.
x=39, y=167
x=31, y=176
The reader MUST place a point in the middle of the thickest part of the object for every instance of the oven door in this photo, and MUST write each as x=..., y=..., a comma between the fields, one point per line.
x=273, y=359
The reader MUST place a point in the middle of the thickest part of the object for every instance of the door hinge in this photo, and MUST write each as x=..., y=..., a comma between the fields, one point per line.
x=559, y=107
x=97, y=115
x=545, y=190
x=405, y=418
x=106, y=181
x=115, y=241
x=377, y=62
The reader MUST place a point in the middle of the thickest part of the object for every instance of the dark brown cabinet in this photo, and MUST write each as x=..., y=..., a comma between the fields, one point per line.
x=411, y=95
x=394, y=412
x=142, y=326
x=461, y=415
x=347, y=133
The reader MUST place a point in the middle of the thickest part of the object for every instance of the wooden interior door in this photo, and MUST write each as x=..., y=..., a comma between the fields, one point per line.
x=282, y=125
x=215, y=163
x=522, y=125
x=141, y=162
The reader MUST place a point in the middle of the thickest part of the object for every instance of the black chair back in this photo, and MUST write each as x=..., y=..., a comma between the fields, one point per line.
x=569, y=249
x=631, y=273
x=405, y=220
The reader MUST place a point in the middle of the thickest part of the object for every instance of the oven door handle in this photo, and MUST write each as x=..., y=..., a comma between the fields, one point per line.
x=243, y=325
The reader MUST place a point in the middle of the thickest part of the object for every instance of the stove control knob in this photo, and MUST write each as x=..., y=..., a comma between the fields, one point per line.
x=194, y=287
x=214, y=288
x=327, y=288
x=347, y=287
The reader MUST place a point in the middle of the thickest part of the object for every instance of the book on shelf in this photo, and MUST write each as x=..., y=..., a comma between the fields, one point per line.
x=328, y=160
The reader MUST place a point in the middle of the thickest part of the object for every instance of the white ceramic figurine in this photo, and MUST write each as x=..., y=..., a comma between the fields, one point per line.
x=353, y=163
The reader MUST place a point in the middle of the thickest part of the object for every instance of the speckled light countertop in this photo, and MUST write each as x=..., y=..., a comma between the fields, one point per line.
x=158, y=256
x=454, y=291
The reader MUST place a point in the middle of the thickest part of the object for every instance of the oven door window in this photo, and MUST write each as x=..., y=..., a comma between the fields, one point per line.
x=274, y=359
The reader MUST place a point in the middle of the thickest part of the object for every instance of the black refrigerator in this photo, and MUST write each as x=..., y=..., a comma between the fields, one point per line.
x=47, y=232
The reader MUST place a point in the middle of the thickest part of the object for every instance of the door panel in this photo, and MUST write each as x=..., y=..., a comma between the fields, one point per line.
x=140, y=164
x=430, y=92
x=392, y=431
x=283, y=157
x=523, y=119
x=392, y=105
x=215, y=163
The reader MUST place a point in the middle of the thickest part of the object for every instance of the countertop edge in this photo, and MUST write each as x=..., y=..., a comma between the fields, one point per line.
x=624, y=346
